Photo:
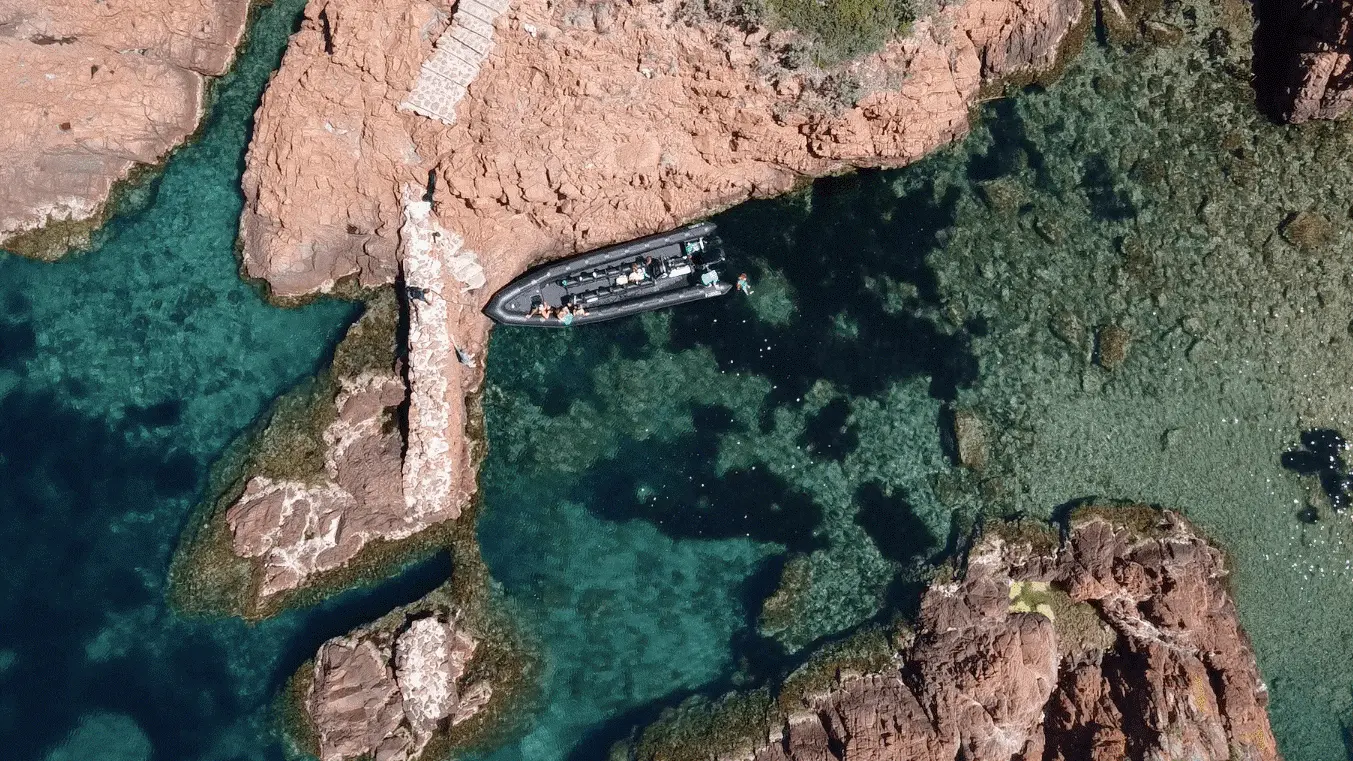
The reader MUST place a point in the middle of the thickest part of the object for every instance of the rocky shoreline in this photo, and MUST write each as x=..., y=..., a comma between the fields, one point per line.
x=91, y=92
x=430, y=205
x=441, y=675
x=346, y=189
x=457, y=248
x=1117, y=639
x=311, y=500
x=528, y=171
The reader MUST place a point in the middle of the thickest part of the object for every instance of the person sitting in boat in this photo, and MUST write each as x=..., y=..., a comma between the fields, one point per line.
x=565, y=315
x=541, y=309
x=635, y=274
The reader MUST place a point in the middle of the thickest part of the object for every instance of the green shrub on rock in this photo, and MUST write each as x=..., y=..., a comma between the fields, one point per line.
x=844, y=29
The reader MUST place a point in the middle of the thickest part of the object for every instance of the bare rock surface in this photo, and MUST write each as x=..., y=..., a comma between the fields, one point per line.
x=579, y=132
x=92, y=88
x=323, y=487
x=1119, y=642
x=563, y=141
x=1317, y=80
x=297, y=529
x=383, y=691
x=438, y=461
x=330, y=153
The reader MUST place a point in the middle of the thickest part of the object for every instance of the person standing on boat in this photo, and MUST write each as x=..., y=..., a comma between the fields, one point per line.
x=744, y=285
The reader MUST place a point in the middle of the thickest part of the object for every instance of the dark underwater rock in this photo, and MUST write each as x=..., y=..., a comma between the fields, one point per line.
x=1307, y=230
x=386, y=690
x=1111, y=346
x=1322, y=456
x=970, y=440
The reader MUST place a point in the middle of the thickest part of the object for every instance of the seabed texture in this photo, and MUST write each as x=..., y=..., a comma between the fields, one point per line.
x=1130, y=284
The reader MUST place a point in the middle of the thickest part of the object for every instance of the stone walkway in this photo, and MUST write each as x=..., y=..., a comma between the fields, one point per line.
x=438, y=267
x=455, y=63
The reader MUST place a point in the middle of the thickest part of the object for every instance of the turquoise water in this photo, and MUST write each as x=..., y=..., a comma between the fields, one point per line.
x=648, y=482
x=688, y=502
x=123, y=373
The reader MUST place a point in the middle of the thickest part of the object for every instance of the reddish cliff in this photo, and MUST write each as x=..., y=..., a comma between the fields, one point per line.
x=387, y=690
x=588, y=123
x=567, y=138
x=1119, y=642
x=90, y=89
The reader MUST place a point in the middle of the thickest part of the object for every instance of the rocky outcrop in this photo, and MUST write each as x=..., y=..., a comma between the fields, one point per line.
x=1316, y=77
x=440, y=275
x=565, y=142
x=385, y=691
x=330, y=156
x=380, y=462
x=374, y=453
x=1120, y=641
x=297, y=529
x=588, y=123
x=969, y=435
x=90, y=90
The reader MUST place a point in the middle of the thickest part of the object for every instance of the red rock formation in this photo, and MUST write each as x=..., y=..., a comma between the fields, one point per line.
x=329, y=152
x=1119, y=643
x=586, y=125
x=299, y=529
x=386, y=690
x=568, y=138
x=91, y=89
x=1317, y=77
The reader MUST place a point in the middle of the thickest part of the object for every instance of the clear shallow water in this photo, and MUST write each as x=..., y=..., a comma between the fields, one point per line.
x=1141, y=191
x=1144, y=191
x=123, y=373
x=648, y=483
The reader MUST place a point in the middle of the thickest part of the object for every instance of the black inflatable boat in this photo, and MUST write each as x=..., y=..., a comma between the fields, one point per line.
x=639, y=276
